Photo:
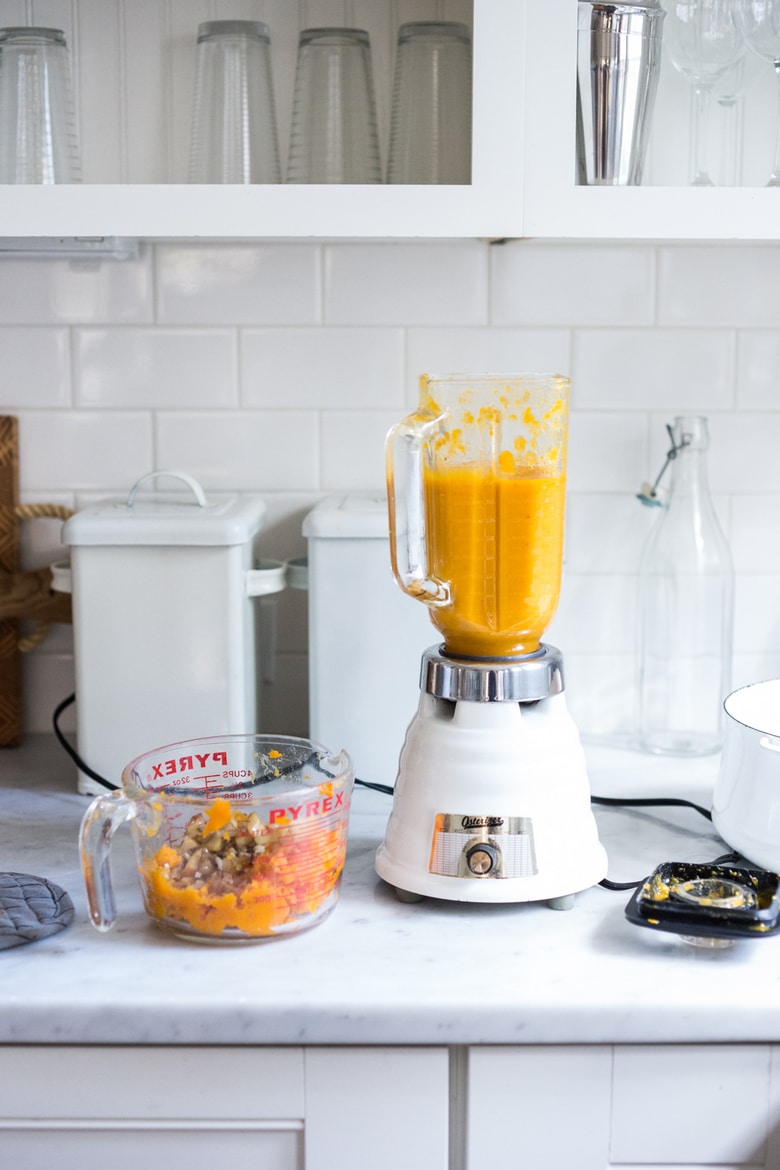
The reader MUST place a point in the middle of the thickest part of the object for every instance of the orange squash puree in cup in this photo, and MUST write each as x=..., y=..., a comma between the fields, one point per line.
x=494, y=534
x=290, y=881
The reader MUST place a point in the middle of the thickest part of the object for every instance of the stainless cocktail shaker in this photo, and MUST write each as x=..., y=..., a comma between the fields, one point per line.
x=618, y=61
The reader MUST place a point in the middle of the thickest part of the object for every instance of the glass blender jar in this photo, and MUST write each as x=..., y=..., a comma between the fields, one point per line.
x=491, y=781
x=476, y=480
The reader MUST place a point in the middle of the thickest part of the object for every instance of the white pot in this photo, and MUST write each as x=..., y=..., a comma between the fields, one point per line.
x=746, y=800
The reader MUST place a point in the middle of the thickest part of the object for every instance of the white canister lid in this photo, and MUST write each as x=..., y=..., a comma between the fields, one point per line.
x=358, y=514
x=156, y=520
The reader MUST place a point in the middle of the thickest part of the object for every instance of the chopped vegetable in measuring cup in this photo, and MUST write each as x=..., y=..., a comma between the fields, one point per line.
x=233, y=872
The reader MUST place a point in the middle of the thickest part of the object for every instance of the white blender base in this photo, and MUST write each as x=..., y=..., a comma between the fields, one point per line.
x=509, y=780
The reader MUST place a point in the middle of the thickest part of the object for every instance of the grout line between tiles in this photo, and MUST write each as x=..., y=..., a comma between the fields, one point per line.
x=239, y=368
x=322, y=260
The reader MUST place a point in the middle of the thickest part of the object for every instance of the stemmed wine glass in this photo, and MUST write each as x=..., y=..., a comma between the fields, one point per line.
x=703, y=42
x=759, y=22
x=728, y=91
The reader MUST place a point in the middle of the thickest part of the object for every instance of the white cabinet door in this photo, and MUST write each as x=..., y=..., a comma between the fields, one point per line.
x=176, y=1082
x=647, y=1106
x=377, y=1108
x=545, y=1107
x=131, y=1147
x=713, y=1108
x=85, y=1108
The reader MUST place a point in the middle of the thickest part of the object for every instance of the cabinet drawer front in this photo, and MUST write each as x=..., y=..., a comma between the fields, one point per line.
x=377, y=1108
x=541, y=1106
x=690, y=1104
x=149, y=1082
x=127, y=1149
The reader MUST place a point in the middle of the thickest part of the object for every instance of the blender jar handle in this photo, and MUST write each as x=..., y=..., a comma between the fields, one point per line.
x=100, y=822
x=406, y=501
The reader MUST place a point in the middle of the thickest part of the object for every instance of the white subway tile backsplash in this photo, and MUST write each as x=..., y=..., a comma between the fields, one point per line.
x=719, y=285
x=83, y=450
x=41, y=291
x=757, y=614
x=406, y=283
x=241, y=284
x=573, y=284
x=605, y=533
x=155, y=367
x=753, y=668
x=685, y=370
x=596, y=613
x=758, y=369
x=321, y=368
x=353, y=457
x=481, y=349
x=34, y=367
x=744, y=452
x=256, y=451
x=754, y=533
x=607, y=451
x=601, y=693
x=278, y=367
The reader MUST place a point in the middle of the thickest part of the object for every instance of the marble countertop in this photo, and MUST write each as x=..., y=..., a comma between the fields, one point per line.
x=379, y=971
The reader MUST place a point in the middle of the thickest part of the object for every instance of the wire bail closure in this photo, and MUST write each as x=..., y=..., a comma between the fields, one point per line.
x=647, y=494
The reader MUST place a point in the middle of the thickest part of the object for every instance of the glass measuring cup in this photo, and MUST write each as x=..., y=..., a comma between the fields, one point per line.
x=476, y=488
x=237, y=837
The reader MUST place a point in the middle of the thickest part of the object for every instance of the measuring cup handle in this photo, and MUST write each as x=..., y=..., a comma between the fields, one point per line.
x=406, y=503
x=100, y=822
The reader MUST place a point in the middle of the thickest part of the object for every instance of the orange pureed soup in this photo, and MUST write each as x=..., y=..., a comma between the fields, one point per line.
x=496, y=537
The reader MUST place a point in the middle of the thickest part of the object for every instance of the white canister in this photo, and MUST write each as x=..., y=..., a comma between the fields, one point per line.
x=366, y=637
x=746, y=800
x=163, y=621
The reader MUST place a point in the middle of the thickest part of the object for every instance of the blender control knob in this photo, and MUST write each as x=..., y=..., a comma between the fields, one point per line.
x=482, y=859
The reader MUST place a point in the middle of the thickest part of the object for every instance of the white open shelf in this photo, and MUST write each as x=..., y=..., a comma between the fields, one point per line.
x=134, y=73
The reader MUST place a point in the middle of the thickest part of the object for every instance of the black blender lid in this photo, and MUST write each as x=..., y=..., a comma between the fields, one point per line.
x=708, y=901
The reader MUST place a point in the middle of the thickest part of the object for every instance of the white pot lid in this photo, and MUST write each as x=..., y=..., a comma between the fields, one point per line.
x=756, y=706
x=156, y=520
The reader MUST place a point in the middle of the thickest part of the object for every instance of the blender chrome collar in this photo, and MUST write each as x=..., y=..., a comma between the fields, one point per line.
x=501, y=680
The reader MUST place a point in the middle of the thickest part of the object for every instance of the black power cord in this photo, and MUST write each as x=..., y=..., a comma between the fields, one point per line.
x=651, y=801
x=614, y=802
x=387, y=790
x=645, y=802
x=85, y=768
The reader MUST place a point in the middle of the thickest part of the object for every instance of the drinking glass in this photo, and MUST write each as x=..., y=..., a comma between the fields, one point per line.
x=759, y=21
x=430, y=123
x=234, y=133
x=728, y=94
x=333, y=138
x=703, y=42
x=38, y=141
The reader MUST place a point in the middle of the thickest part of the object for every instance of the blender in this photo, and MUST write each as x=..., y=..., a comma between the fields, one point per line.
x=491, y=801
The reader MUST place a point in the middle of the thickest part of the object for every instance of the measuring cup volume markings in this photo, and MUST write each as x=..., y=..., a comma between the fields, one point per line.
x=236, y=839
